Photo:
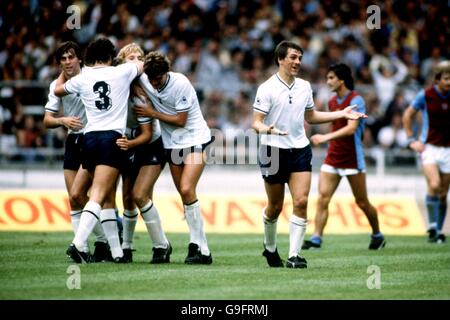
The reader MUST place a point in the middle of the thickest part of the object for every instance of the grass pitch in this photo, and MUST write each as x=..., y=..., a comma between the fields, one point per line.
x=34, y=266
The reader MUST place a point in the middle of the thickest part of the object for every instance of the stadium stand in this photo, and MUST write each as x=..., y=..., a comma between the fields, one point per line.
x=225, y=48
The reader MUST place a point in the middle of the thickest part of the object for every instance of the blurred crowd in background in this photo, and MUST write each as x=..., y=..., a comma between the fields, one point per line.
x=226, y=49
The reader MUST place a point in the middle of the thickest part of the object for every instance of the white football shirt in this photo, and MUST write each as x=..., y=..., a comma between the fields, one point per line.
x=104, y=91
x=133, y=121
x=284, y=106
x=178, y=95
x=71, y=104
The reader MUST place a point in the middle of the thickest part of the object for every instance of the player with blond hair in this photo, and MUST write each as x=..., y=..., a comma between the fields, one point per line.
x=145, y=162
x=433, y=145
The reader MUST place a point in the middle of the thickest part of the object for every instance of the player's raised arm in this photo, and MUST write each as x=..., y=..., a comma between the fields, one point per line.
x=59, y=88
x=316, y=117
x=139, y=64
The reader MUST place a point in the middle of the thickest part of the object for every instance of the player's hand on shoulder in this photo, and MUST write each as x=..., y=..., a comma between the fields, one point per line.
x=144, y=110
x=61, y=79
x=137, y=91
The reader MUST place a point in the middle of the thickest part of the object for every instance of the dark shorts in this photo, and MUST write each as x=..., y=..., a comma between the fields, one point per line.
x=178, y=156
x=72, y=151
x=143, y=155
x=100, y=148
x=128, y=166
x=151, y=154
x=277, y=164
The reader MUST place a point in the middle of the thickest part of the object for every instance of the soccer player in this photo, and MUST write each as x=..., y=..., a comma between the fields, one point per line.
x=345, y=158
x=146, y=163
x=68, y=57
x=282, y=104
x=185, y=136
x=433, y=145
x=104, y=91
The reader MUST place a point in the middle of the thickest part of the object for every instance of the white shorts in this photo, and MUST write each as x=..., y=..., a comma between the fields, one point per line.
x=436, y=155
x=338, y=171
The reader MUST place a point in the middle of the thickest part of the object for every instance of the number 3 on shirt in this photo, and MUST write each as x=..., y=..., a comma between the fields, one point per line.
x=103, y=90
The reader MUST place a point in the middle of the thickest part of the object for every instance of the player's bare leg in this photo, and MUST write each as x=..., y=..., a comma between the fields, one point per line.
x=186, y=178
x=433, y=178
x=143, y=197
x=359, y=189
x=328, y=183
x=103, y=184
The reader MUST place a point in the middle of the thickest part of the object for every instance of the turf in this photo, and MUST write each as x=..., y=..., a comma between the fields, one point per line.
x=34, y=266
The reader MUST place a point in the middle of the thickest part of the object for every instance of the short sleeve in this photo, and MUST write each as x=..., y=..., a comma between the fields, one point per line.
x=184, y=98
x=53, y=102
x=141, y=101
x=73, y=85
x=419, y=102
x=262, y=101
x=131, y=69
x=360, y=104
x=309, y=100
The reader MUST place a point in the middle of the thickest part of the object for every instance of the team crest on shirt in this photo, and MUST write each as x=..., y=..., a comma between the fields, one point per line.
x=444, y=106
x=184, y=100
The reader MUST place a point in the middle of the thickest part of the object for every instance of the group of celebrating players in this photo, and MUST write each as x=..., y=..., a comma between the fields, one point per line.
x=128, y=115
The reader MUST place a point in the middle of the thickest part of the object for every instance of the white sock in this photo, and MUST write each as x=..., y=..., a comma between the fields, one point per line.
x=129, y=224
x=75, y=216
x=297, y=229
x=153, y=224
x=99, y=233
x=89, y=217
x=270, y=232
x=194, y=219
x=109, y=224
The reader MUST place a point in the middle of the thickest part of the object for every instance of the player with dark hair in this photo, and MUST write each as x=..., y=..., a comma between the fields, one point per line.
x=282, y=104
x=345, y=158
x=104, y=91
x=433, y=145
x=185, y=136
x=68, y=57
